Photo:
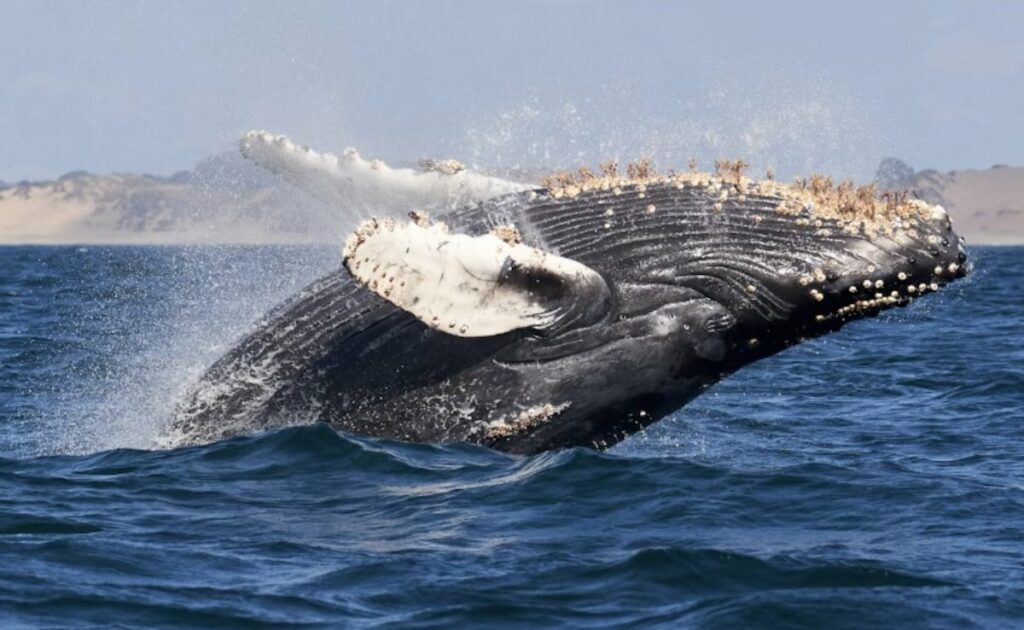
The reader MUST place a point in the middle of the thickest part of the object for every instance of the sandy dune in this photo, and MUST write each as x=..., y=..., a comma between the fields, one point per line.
x=987, y=206
x=141, y=209
x=226, y=200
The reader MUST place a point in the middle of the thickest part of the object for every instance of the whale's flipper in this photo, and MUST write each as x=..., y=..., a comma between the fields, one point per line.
x=474, y=286
x=371, y=186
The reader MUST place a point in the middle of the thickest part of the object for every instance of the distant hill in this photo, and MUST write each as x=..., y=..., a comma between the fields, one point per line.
x=987, y=206
x=226, y=199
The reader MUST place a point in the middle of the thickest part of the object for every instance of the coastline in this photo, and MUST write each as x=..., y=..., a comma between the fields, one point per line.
x=276, y=242
x=227, y=201
x=150, y=240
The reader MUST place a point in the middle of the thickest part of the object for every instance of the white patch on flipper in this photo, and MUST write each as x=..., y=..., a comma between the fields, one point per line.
x=370, y=185
x=458, y=283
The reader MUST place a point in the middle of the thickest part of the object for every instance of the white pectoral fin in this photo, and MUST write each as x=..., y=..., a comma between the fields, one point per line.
x=372, y=185
x=472, y=286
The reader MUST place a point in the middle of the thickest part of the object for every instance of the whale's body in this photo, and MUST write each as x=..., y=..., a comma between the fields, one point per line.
x=682, y=286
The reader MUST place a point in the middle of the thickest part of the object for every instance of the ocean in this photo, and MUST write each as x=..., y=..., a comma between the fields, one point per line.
x=872, y=477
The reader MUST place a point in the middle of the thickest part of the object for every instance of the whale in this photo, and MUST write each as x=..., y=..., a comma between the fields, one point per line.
x=573, y=312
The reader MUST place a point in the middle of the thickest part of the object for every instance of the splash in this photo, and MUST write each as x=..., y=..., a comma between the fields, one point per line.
x=786, y=119
x=150, y=321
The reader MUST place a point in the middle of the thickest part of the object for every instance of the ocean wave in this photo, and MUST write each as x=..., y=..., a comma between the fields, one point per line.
x=870, y=478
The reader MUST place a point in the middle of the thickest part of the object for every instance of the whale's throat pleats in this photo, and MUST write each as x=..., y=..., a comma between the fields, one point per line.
x=474, y=286
x=679, y=237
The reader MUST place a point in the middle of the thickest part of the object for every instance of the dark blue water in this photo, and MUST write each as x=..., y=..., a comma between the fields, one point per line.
x=872, y=477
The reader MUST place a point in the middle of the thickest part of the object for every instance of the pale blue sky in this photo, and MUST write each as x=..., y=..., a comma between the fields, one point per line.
x=157, y=86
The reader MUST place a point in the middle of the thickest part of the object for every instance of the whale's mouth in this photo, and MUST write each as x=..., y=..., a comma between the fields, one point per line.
x=783, y=262
x=891, y=270
x=872, y=295
x=834, y=279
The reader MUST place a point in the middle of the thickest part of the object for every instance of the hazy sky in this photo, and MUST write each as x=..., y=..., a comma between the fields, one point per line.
x=157, y=86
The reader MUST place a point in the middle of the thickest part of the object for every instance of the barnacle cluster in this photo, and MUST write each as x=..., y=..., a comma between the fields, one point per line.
x=817, y=200
x=444, y=167
x=874, y=295
x=522, y=422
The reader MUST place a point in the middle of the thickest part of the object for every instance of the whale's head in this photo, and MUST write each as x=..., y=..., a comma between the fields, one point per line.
x=763, y=265
x=806, y=271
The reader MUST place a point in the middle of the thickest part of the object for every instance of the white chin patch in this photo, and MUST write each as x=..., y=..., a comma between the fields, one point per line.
x=459, y=284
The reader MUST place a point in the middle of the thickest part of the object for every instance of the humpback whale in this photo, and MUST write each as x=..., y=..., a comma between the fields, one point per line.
x=572, y=313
